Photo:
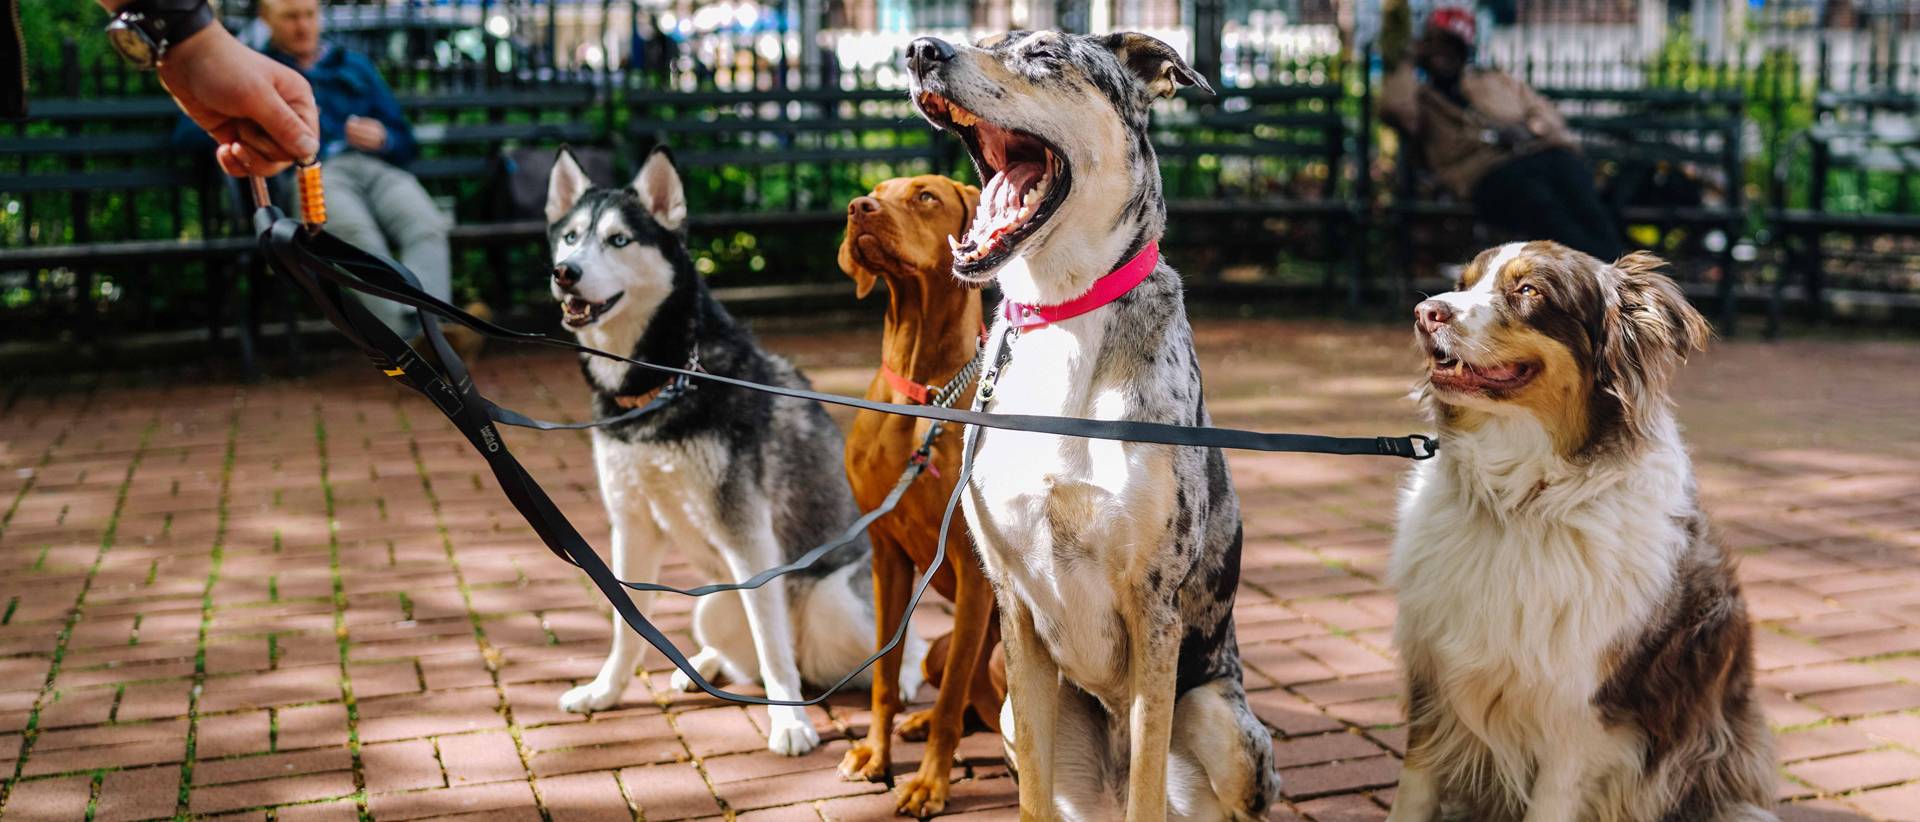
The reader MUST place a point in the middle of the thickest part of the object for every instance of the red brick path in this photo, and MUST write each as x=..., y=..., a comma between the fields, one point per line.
x=306, y=599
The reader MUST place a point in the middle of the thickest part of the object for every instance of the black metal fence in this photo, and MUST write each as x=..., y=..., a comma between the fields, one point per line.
x=786, y=109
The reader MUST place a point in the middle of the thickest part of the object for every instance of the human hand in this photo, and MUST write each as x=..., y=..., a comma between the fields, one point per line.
x=260, y=112
x=366, y=134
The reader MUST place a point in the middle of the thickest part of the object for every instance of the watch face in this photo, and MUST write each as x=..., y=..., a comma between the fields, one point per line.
x=132, y=44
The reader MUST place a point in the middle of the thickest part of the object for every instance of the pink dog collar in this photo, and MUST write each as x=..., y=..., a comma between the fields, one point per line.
x=1105, y=290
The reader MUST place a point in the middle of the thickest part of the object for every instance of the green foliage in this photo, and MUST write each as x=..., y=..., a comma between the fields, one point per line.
x=48, y=24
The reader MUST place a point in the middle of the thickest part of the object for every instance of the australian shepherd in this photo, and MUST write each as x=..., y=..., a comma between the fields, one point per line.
x=1573, y=638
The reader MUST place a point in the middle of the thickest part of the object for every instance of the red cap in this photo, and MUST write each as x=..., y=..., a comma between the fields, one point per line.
x=1455, y=20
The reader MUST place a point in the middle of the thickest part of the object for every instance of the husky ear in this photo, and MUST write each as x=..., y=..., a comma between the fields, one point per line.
x=658, y=185
x=565, y=184
x=1158, y=66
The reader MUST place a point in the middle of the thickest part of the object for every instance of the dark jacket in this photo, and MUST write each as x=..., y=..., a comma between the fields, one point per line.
x=346, y=84
x=1452, y=137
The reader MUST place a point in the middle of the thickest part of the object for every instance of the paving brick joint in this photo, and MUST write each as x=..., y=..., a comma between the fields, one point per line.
x=307, y=599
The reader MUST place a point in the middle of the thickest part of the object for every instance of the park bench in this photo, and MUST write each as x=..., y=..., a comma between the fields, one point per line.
x=1239, y=167
x=102, y=214
x=1624, y=133
x=1861, y=161
x=787, y=158
x=176, y=214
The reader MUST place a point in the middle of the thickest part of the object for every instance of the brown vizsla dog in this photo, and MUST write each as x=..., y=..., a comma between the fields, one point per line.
x=899, y=233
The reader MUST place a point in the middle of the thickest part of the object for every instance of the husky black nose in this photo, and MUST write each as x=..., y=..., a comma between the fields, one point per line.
x=566, y=274
x=926, y=52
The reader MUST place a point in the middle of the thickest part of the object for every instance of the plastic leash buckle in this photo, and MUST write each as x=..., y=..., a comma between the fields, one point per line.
x=313, y=194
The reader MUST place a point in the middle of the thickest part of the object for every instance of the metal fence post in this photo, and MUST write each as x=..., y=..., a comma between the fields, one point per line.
x=1071, y=15
x=1209, y=32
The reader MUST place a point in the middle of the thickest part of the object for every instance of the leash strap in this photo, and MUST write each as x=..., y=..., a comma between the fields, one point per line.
x=317, y=262
x=382, y=283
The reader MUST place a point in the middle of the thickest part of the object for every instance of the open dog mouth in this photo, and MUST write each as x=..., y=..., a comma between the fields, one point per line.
x=1026, y=180
x=1450, y=373
x=578, y=312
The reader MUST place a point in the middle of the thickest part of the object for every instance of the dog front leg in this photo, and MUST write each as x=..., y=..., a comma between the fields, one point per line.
x=1033, y=689
x=636, y=556
x=1417, y=798
x=790, y=732
x=925, y=793
x=1154, y=651
x=1556, y=794
x=872, y=757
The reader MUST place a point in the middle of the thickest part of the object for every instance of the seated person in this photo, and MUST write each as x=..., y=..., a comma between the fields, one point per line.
x=365, y=145
x=1494, y=141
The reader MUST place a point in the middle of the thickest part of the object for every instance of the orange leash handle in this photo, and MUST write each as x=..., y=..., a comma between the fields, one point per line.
x=313, y=194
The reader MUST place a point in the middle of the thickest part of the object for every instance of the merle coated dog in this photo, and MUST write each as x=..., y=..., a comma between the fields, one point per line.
x=737, y=480
x=1115, y=563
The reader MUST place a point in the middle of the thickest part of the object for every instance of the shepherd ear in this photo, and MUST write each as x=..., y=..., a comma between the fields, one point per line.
x=1158, y=66
x=565, y=184
x=658, y=185
x=1650, y=332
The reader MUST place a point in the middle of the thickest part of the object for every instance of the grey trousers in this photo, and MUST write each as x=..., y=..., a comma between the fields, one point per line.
x=383, y=209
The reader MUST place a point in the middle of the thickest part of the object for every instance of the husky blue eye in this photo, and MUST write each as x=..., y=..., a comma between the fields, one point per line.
x=619, y=240
x=570, y=237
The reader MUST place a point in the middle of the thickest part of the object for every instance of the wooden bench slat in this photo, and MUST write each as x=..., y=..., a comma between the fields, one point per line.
x=122, y=251
x=87, y=144
x=760, y=158
x=751, y=126
x=116, y=180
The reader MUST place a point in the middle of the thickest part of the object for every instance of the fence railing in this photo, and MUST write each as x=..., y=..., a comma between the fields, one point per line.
x=795, y=132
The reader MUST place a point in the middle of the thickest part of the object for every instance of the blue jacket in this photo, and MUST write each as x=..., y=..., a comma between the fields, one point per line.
x=345, y=84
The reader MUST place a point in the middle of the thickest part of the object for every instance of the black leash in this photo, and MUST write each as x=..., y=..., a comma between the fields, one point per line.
x=372, y=279
x=307, y=258
x=323, y=265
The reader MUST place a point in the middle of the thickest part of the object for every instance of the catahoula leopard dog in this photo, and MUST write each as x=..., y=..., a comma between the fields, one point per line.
x=1115, y=564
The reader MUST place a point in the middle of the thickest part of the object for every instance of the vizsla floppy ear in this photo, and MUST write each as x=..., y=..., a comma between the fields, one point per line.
x=862, y=278
x=969, y=203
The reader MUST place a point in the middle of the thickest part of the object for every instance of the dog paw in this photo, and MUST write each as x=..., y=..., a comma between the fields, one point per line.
x=593, y=696
x=706, y=662
x=922, y=796
x=863, y=763
x=790, y=738
x=916, y=726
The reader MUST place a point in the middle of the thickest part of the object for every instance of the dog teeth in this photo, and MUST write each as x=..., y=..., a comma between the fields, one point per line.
x=954, y=245
x=963, y=117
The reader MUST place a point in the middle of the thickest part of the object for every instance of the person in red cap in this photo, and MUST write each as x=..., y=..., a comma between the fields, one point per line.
x=1493, y=141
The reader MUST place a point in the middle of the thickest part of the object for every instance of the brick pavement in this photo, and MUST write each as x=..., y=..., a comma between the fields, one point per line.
x=306, y=599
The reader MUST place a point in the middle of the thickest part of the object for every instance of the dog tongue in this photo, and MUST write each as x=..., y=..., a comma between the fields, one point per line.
x=1000, y=204
x=1498, y=373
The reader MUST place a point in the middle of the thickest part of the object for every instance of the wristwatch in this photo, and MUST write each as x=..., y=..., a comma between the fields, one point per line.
x=144, y=30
